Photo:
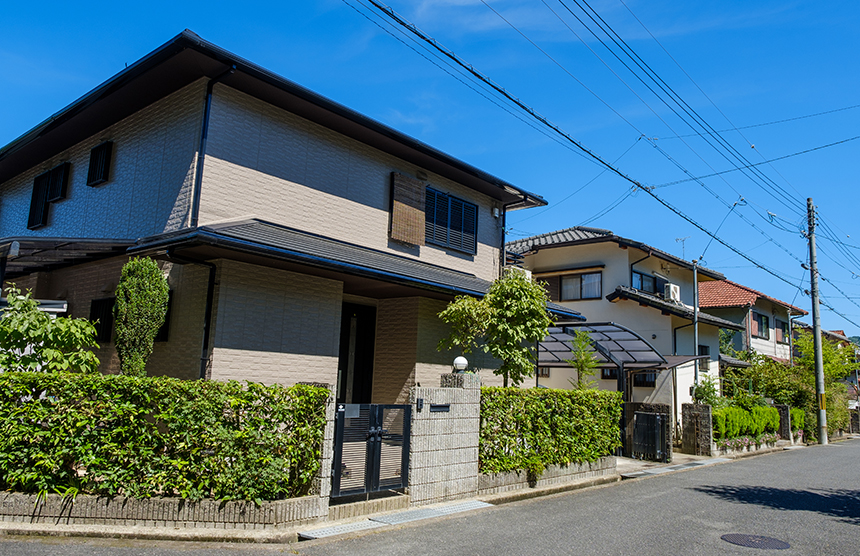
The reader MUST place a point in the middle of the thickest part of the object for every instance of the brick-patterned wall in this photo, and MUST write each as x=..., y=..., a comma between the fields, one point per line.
x=275, y=326
x=396, y=346
x=154, y=157
x=443, y=452
x=299, y=174
x=79, y=285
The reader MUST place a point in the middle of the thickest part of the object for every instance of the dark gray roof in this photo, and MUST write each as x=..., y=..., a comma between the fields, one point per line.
x=672, y=308
x=187, y=58
x=580, y=235
x=44, y=254
x=280, y=242
x=611, y=343
x=729, y=361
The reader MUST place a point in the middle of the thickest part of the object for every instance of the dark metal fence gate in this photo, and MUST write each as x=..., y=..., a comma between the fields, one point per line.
x=371, y=448
x=650, y=440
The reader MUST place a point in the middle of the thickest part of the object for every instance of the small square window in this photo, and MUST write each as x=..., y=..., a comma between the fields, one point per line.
x=99, y=171
x=781, y=329
x=609, y=374
x=645, y=380
x=760, y=326
x=581, y=286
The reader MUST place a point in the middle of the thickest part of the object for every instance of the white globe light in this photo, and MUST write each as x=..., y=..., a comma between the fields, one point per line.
x=460, y=363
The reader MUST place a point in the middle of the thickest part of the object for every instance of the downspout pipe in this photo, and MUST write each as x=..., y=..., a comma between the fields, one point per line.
x=201, y=156
x=207, y=317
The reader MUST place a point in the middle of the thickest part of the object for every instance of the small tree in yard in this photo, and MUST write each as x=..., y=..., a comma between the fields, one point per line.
x=33, y=340
x=506, y=323
x=141, y=305
x=582, y=360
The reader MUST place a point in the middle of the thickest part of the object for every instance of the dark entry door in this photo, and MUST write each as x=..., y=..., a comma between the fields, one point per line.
x=371, y=448
x=650, y=440
x=355, y=361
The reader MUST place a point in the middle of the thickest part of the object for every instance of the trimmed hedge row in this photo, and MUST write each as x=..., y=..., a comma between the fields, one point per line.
x=732, y=422
x=530, y=429
x=142, y=437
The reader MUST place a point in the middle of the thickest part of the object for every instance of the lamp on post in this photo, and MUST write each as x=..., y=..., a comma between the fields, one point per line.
x=460, y=364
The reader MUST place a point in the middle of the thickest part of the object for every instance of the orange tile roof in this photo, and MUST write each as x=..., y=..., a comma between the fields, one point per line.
x=725, y=293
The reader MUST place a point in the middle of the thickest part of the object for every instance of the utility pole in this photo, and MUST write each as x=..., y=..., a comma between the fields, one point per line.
x=696, y=321
x=816, y=326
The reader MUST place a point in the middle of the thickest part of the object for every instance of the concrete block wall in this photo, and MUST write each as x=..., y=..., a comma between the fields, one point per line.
x=149, y=192
x=443, y=458
x=275, y=326
x=300, y=174
x=497, y=483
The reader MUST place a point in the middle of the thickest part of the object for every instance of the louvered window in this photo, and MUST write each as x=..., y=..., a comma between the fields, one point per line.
x=450, y=222
x=99, y=171
x=48, y=187
x=101, y=315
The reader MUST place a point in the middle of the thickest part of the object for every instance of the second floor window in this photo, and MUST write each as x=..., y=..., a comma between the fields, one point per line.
x=581, y=286
x=781, y=329
x=705, y=364
x=450, y=222
x=648, y=283
x=760, y=326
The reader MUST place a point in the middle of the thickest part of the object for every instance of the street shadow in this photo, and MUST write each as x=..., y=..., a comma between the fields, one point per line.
x=843, y=504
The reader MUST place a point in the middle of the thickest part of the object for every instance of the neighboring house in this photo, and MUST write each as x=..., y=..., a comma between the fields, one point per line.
x=766, y=320
x=302, y=241
x=609, y=278
x=836, y=337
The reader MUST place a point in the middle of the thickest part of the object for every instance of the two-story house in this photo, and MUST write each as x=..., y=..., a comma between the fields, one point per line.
x=609, y=278
x=766, y=320
x=301, y=240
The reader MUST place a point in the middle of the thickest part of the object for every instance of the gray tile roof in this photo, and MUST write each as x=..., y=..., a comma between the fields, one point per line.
x=582, y=234
x=280, y=242
x=677, y=309
x=559, y=237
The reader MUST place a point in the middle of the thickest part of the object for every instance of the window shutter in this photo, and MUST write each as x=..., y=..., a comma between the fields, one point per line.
x=58, y=182
x=99, y=171
x=436, y=215
x=553, y=285
x=470, y=227
x=455, y=233
x=101, y=310
x=754, y=323
x=407, y=210
x=39, y=202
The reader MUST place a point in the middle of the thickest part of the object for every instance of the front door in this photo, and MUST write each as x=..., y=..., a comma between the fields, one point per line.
x=355, y=362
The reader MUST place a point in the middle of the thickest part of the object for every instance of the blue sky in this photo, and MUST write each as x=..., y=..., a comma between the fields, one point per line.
x=735, y=64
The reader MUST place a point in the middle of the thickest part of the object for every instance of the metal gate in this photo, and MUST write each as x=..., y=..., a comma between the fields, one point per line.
x=650, y=440
x=371, y=448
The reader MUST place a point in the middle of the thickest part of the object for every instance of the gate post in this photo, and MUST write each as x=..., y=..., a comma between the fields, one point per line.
x=697, y=430
x=443, y=451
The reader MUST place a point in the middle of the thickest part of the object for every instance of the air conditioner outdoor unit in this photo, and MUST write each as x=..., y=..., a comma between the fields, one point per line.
x=672, y=292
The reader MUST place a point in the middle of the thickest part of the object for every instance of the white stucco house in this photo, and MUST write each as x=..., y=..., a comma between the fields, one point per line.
x=609, y=278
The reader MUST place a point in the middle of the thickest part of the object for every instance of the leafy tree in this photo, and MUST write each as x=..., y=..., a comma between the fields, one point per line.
x=582, y=360
x=141, y=305
x=506, y=323
x=727, y=337
x=33, y=340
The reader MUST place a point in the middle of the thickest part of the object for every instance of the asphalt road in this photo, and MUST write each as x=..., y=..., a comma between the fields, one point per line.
x=809, y=498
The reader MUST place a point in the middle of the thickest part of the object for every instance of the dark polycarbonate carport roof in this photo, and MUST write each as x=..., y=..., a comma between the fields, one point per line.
x=613, y=343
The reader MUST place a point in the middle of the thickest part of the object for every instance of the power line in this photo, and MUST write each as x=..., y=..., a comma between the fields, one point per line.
x=429, y=40
x=667, y=184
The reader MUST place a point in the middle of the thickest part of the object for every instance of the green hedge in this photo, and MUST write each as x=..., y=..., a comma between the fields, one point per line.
x=530, y=429
x=798, y=418
x=142, y=437
x=732, y=422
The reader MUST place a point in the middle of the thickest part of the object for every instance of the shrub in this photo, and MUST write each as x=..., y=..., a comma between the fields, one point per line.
x=141, y=305
x=530, y=429
x=797, y=418
x=142, y=437
x=733, y=422
x=33, y=340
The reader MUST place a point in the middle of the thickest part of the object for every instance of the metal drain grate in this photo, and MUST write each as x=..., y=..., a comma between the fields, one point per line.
x=756, y=541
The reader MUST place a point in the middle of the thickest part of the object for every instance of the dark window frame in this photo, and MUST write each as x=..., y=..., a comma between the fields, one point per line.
x=658, y=282
x=101, y=315
x=704, y=364
x=608, y=374
x=163, y=334
x=580, y=275
x=48, y=187
x=645, y=380
x=763, y=331
x=100, y=163
x=454, y=218
x=783, y=325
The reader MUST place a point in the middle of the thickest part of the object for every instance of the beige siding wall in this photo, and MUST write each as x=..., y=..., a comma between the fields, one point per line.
x=150, y=182
x=79, y=285
x=267, y=163
x=394, y=369
x=275, y=326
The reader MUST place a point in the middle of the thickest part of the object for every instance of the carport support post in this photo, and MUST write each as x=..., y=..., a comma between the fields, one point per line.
x=622, y=387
